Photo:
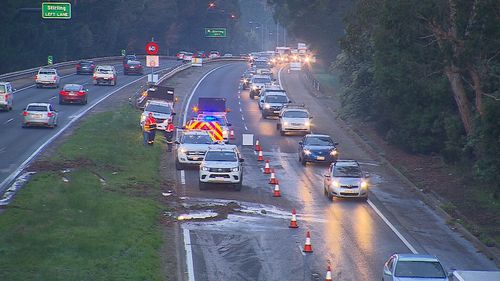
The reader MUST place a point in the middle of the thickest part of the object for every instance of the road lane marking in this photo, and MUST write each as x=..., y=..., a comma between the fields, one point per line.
x=246, y=128
x=241, y=110
x=183, y=177
x=3, y=149
x=242, y=118
x=189, y=255
x=53, y=97
x=279, y=76
x=392, y=227
x=23, y=165
x=194, y=90
x=369, y=164
x=300, y=250
x=8, y=121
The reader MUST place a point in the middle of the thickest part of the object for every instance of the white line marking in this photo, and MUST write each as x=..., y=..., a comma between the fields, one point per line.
x=300, y=250
x=194, y=90
x=246, y=128
x=242, y=118
x=241, y=110
x=23, y=165
x=183, y=177
x=239, y=102
x=369, y=164
x=239, y=97
x=2, y=149
x=189, y=255
x=279, y=76
x=392, y=227
x=8, y=121
x=52, y=98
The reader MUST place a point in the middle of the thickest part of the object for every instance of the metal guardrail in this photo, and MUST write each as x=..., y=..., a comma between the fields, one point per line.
x=315, y=82
x=32, y=71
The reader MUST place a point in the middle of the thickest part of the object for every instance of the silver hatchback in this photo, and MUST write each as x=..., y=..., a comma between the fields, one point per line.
x=39, y=114
x=413, y=267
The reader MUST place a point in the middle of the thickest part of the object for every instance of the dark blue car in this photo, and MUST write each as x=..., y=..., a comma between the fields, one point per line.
x=317, y=148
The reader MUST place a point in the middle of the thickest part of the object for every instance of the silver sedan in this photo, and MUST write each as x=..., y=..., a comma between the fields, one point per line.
x=39, y=114
x=413, y=267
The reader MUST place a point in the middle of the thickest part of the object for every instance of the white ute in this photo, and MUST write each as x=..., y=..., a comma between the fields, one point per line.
x=47, y=77
x=105, y=74
x=191, y=148
x=222, y=165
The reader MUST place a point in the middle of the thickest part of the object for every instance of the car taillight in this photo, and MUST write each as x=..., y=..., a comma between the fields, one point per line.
x=81, y=93
x=54, y=78
x=62, y=93
x=94, y=77
x=25, y=113
x=126, y=66
x=78, y=66
x=6, y=97
x=36, y=77
x=50, y=114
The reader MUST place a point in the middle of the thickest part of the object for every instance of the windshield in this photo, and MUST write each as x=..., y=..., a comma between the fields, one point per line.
x=72, y=88
x=347, y=171
x=158, y=108
x=105, y=70
x=48, y=72
x=276, y=99
x=262, y=80
x=86, y=63
x=2, y=89
x=319, y=141
x=134, y=63
x=37, y=108
x=224, y=156
x=196, y=139
x=419, y=269
x=295, y=114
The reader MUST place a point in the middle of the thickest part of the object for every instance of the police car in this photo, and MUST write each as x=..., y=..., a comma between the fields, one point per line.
x=191, y=147
x=222, y=164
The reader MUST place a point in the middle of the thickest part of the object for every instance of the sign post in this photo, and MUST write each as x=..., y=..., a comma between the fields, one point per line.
x=124, y=53
x=56, y=10
x=152, y=60
x=50, y=60
x=215, y=32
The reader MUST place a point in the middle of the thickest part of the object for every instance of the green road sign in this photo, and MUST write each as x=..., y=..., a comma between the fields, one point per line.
x=215, y=32
x=50, y=60
x=123, y=53
x=56, y=10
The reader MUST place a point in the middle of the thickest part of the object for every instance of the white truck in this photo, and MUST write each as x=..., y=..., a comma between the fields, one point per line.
x=463, y=275
x=191, y=147
x=6, y=96
x=222, y=165
x=47, y=77
x=105, y=74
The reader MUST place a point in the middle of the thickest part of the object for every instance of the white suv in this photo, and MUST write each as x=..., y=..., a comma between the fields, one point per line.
x=222, y=165
x=191, y=148
x=294, y=118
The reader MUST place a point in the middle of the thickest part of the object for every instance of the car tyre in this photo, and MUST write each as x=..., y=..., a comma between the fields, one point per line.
x=278, y=126
x=202, y=185
x=328, y=195
x=252, y=95
x=283, y=133
x=238, y=186
x=303, y=161
x=178, y=165
x=264, y=116
x=84, y=101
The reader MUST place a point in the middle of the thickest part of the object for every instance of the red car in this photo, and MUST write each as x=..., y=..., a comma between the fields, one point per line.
x=132, y=67
x=73, y=93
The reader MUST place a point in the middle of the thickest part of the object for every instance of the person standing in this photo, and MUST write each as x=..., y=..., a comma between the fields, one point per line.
x=148, y=129
x=169, y=134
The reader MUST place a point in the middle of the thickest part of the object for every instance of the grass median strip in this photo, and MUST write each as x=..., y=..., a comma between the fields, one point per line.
x=92, y=212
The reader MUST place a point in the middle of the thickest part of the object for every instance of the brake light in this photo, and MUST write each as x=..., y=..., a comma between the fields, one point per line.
x=36, y=77
x=25, y=113
x=50, y=114
x=62, y=93
x=6, y=97
x=54, y=78
x=81, y=93
x=78, y=66
x=94, y=77
x=126, y=66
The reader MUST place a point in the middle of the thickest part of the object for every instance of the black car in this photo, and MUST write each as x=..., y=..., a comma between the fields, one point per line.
x=317, y=148
x=85, y=67
x=133, y=67
x=129, y=57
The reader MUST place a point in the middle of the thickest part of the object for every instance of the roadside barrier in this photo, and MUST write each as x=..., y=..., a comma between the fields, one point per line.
x=293, y=221
x=307, y=246
x=276, y=192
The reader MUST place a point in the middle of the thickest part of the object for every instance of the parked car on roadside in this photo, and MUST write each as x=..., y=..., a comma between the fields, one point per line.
x=39, y=114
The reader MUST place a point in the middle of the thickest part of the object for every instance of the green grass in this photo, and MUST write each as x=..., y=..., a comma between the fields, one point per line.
x=329, y=81
x=84, y=229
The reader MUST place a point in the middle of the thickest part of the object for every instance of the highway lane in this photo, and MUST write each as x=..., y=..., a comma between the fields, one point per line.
x=17, y=144
x=351, y=235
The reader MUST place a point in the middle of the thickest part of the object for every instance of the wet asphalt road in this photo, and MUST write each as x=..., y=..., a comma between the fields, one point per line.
x=17, y=144
x=255, y=243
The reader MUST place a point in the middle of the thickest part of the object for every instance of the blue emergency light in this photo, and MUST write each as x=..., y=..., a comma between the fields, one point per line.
x=210, y=118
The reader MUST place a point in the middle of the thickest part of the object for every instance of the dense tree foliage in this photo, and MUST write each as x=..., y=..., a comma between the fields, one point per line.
x=427, y=73
x=103, y=28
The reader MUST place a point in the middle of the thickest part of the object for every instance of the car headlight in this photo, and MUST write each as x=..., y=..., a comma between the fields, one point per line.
x=183, y=150
x=203, y=168
x=236, y=169
x=307, y=123
x=335, y=184
x=285, y=123
x=267, y=106
x=307, y=152
x=225, y=133
x=254, y=87
x=334, y=152
x=364, y=184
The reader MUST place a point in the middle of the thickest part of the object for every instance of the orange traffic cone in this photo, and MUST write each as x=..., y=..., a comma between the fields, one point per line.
x=293, y=222
x=273, y=179
x=276, y=192
x=261, y=156
x=328, y=274
x=267, y=169
x=231, y=134
x=308, y=247
x=257, y=145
